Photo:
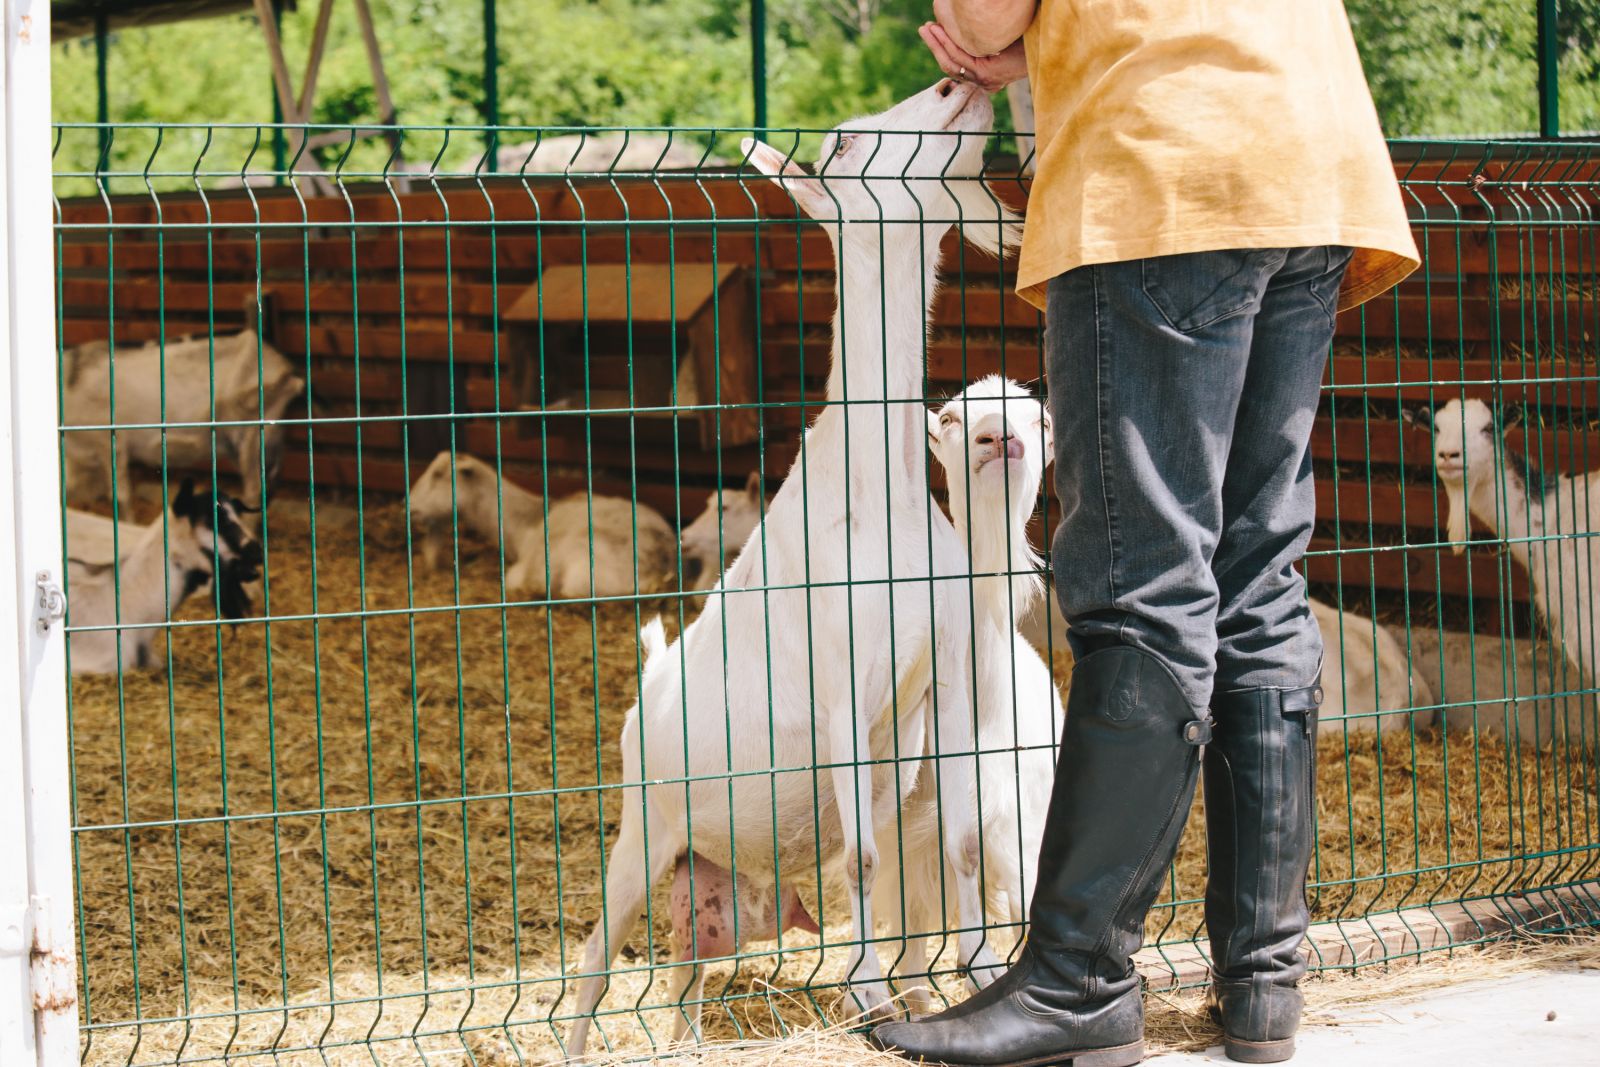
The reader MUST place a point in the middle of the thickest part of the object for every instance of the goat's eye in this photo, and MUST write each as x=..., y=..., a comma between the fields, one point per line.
x=841, y=146
x=947, y=419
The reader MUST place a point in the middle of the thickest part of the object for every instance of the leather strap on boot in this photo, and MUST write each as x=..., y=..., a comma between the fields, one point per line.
x=1124, y=781
x=1260, y=775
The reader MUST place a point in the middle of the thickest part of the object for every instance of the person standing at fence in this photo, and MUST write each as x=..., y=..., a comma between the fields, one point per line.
x=1211, y=187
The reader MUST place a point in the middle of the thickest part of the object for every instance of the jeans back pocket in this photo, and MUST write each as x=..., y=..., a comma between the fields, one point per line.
x=1196, y=289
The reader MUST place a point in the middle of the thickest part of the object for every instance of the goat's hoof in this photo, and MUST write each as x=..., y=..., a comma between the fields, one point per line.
x=871, y=1003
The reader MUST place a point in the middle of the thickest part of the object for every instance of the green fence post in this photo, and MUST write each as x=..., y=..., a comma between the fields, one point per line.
x=491, y=87
x=102, y=105
x=758, y=60
x=280, y=146
x=1549, y=72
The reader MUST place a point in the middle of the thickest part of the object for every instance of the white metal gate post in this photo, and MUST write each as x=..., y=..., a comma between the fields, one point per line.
x=38, y=976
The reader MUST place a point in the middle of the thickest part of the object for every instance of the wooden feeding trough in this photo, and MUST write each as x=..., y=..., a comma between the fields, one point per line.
x=606, y=336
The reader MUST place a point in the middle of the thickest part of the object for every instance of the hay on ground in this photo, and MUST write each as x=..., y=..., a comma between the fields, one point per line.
x=316, y=833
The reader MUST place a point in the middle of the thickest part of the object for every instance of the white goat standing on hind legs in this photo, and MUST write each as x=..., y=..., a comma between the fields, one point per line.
x=993, y=440
x=1549, y=524
x=820, y=650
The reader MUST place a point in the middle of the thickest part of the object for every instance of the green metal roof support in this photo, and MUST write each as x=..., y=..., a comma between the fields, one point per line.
x=758, y=60
x=491, y=88
x=1549, y=71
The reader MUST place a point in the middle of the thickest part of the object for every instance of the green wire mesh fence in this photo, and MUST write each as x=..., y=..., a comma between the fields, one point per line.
x=347, y=771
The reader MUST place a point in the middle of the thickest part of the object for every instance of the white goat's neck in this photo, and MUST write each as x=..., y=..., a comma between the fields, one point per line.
x=883, y=291
x=995, y=530
x=1501, y=502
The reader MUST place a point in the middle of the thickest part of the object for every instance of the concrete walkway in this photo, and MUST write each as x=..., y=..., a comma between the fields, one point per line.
x=1550, y=1018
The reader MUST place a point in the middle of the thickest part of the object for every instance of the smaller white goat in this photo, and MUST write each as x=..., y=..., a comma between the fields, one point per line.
x=713, y=540
x=165, y=563
x=253, y=385
x=1367, y=680
x=1548, y=523
x=576, y=526
x=993, y=441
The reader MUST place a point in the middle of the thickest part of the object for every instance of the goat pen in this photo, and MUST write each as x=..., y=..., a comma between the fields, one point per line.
x=368, y=818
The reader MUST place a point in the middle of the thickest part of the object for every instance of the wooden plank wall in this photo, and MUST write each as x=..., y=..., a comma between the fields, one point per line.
x=393, y=301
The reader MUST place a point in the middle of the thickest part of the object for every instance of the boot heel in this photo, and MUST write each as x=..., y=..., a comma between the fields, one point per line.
x=1257, y=1051
x=1121, y=1056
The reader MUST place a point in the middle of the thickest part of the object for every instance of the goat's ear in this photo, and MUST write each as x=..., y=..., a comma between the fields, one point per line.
x=806, y=190
x=1418, y=416
x=986, y=223
x=752, y=485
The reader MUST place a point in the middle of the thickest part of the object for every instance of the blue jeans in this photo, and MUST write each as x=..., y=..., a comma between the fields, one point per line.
x=1183, y=391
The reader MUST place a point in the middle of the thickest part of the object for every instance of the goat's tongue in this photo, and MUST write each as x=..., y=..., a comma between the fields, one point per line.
x=1014, y=448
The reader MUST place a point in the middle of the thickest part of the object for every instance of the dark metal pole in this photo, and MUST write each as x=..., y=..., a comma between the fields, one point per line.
x=758, y=59
x=102, y=103
x=1549, y=72
x=280, y=145
x=491, y=87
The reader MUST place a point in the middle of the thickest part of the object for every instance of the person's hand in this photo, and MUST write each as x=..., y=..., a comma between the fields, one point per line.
x=989, y=73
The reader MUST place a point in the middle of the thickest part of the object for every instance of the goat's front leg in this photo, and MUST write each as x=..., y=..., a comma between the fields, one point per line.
x=849, y=728
x=957, y=799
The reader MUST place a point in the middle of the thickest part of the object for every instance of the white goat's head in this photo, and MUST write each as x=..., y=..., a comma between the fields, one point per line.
x=993, y=440
x=919, y=163
x=720, y=531
x=1466, y=439
x=435, y=500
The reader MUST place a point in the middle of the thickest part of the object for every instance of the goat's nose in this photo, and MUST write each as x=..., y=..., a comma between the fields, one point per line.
x=945, y=87
x=1449, y=455
x=984, y=439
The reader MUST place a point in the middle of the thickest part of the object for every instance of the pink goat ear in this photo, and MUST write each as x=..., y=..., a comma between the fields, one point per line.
x=806, y=190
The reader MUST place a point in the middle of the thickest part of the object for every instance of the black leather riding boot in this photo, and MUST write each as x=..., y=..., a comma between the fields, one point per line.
x=1124, y=782
x=1260, y=783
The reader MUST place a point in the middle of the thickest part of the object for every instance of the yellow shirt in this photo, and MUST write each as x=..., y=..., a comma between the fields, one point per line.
x=1168, y=126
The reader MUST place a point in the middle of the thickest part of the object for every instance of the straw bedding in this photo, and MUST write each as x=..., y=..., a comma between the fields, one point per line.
x=462, y=914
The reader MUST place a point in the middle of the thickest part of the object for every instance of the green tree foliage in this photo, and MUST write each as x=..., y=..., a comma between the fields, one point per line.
x=1437, y=68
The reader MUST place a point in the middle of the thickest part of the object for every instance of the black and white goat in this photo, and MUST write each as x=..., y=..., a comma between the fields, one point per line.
x=161, y=566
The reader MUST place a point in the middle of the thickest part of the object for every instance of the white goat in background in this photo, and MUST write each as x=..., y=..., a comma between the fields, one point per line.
x=1548, y=524
x=714, y=538
x=253, y=386
x=993, y=440
x=168, y=561
x=576, y=526
x=822, y=646
x=1368, y=681
x=96, y=539
x=483, y=506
